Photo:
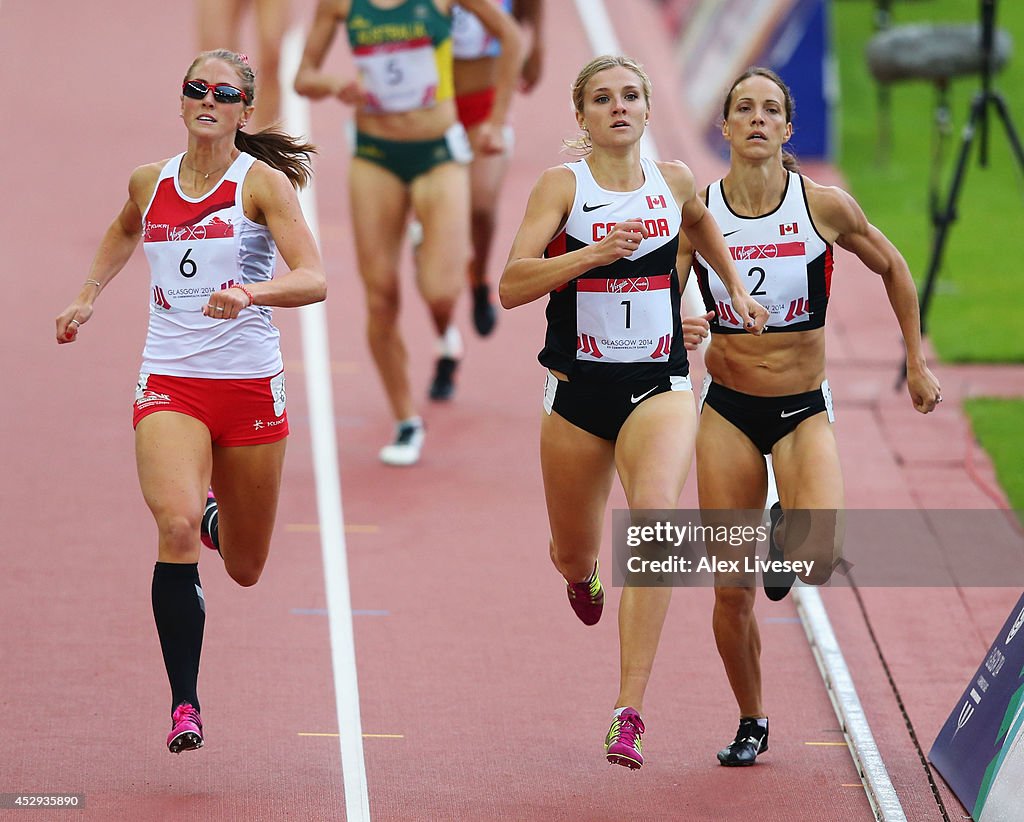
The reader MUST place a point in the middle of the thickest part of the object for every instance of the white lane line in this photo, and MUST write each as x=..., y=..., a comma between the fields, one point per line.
x=881, y=794
x=316, y=356
x=594, y=16
x=879, y=788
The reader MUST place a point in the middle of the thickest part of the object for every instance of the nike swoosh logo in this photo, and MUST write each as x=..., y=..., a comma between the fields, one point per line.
x=633, y=399
x=785, y=414
x=729, y=234
x=593, y=207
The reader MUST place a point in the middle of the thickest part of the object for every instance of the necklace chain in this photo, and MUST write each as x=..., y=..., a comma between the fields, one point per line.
x=206, y=176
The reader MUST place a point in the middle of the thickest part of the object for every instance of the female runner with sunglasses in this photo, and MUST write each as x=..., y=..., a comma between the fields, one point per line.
x=410, y=151
x=210, y=401
x=599, y=239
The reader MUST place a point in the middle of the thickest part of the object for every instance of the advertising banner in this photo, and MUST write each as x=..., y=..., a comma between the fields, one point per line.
x=719, y=39
x=980, y=749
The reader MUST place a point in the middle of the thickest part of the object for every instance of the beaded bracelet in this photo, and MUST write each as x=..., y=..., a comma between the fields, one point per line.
x=96, y=283
x=245, y=291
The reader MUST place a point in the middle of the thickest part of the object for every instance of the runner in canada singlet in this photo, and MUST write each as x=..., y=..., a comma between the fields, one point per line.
x=786, y=263
x=618, y=322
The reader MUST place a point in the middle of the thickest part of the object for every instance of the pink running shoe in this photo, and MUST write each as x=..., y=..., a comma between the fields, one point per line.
x=587, y=598
x=622, y=746
x=208, y=530
x=186, y=729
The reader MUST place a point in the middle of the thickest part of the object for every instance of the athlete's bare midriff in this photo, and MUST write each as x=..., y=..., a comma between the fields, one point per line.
x=407, y=126
x=475, y=75
x=772, y=365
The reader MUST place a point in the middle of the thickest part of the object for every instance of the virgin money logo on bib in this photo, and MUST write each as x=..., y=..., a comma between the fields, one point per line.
x=629, y=285
x=768, y=251
x=215, y=229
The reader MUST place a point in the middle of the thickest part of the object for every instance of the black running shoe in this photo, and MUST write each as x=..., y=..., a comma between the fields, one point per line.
x=751, y=740
x=484, y=315
x=443, y=386
x=209, y=530
x=776, y=583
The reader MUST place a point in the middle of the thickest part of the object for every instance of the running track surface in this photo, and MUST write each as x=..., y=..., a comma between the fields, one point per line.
x=482, y=697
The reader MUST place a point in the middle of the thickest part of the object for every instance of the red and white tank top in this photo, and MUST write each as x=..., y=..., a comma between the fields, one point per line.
x=619, y=322
x=470, y=39
x=196, y=246
x=784, y=262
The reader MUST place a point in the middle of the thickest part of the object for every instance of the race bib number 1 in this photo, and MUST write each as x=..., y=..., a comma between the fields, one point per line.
x=624, y=320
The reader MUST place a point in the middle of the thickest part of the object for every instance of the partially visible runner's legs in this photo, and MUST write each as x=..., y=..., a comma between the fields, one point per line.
x=440, y=201
x=652, y=455
x=180, y=614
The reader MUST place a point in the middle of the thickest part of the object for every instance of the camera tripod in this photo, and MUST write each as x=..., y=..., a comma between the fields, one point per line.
x=977, y=122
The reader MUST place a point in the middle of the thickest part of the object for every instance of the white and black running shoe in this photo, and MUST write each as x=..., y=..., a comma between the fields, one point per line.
x=751, y=740
x=405, y=450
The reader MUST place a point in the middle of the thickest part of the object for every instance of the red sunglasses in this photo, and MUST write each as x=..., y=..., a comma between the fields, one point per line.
x=222, y=92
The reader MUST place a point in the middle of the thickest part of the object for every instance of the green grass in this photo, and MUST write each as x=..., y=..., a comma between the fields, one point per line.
x=980, y=287
x=979, y=290
x=997, y=425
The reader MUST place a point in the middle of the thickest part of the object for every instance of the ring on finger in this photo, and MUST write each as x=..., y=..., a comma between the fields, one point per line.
x=76, y=322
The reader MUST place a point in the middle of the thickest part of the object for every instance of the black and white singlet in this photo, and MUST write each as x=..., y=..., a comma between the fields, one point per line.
x=781, y=258
x=618, y=322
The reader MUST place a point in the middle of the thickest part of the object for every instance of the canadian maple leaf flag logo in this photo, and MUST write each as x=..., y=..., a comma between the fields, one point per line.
x=787, y=228
x=656, y=202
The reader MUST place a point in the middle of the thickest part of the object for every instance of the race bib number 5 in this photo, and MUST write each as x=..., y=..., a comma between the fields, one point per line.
x=398, y=76
x=624, y=320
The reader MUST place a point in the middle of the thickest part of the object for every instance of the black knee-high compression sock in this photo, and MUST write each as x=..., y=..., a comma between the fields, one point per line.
x=180, y=613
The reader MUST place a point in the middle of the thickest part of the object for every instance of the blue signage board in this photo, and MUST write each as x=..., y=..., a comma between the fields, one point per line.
x=980, y=749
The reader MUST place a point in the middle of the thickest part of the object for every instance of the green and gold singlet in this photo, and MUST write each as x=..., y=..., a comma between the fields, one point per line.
x=404, y=55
